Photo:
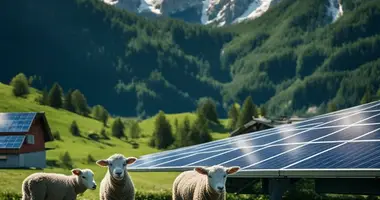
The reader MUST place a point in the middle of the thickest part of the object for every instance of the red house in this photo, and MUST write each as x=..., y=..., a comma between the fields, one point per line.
x=22, y=139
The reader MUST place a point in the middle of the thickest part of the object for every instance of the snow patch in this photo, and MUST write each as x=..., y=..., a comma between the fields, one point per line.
x=220, y=16
x=205, y=7
x=111, y=2
x=255, y=10
x=335, y=9
x=150, y=5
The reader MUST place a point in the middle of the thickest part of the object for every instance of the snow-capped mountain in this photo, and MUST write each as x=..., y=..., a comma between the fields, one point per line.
x=218, y=12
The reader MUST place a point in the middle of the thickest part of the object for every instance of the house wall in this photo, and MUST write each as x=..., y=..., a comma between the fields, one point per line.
x=39, y=141
x=9, y=161
x=33, y=159
x=26, y=160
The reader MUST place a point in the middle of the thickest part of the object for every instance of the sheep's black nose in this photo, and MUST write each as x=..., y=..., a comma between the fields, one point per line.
x=220, y=188
x=94, y=186
x=118, y=173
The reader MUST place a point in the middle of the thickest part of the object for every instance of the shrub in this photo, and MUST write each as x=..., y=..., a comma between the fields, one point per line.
x=135, y=145
x=57, y=136
x=66, y=160
x=118, y=129
x=90, y=159
x=94, y=136
x=104, y=134
x=20, y=85
x=74, y=129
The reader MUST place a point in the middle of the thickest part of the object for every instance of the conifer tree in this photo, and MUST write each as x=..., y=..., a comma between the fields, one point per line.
x=162, y=134
x=68, y=102
x=55, y=96
x=247, y=112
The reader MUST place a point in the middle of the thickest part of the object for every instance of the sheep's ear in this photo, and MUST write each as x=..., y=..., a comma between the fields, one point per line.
x=201, y=170
x=232, y=170
x=76, y=172
x=130, y=160
x=102, y=163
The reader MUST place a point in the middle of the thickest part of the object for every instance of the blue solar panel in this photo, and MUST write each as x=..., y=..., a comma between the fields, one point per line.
x=16, y=122
x=320, y=142
x=11, y=141
x=351, y=155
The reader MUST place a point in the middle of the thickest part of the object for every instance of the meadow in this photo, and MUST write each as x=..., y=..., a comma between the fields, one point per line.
x=80, y=148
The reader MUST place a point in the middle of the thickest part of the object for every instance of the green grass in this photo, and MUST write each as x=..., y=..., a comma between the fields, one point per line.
x=79, y=148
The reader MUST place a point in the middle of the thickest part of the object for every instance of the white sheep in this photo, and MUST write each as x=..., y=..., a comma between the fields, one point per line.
x=52, y=186
x=204, y=183
x=117, y=184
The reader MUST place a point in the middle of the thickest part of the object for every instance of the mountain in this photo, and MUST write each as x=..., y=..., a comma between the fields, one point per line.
x=218, y=12
x=295, y=58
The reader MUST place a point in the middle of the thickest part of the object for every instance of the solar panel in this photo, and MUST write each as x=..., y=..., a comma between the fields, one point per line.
x=16, y=122
x=11, y=141
x=347, y=139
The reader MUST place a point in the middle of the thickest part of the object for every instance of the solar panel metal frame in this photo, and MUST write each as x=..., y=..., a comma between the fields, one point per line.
x=273, y=173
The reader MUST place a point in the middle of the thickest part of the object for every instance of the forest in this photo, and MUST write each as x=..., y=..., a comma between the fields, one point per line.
x=291, y=59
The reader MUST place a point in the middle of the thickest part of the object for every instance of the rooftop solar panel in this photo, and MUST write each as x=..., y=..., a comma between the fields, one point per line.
x=11, y=142
x=313, y=144
x=16, y=122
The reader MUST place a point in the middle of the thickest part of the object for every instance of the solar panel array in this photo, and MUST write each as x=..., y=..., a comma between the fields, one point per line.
x=346, y=139
x=11, y=142
x=16, y=122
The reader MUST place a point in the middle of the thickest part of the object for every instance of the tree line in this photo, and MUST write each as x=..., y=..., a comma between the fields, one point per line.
x=72, y=101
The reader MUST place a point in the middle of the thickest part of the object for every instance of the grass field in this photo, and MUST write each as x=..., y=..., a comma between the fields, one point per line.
x=80, y=148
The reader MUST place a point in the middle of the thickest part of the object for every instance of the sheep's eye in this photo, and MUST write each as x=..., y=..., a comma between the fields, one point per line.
x=224, y=176
x=209, y=176
x=84, y=177
x=110, y=164
x=124, y=164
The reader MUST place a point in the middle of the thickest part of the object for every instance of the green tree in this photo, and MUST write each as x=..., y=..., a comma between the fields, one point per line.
x=331, y=107
x=207, y=107
x=247, y=112
x=100, y=113
x=20, y=85
x=367, y=97
x=55, y=96
x=263, y=111
x=162, y=135
x=90, y=159
x=66, y=160
x=233, y=115
x=135, y=130
x=118, y=129
x=68, y=102
x=176, y=124
x=183, y=133
x=80, y=103
x=104, y=134
x=199, y=130
x=44, y=99
x=74, y=129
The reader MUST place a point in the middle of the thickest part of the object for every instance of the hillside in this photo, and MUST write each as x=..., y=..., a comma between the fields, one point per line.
x=293, y=58
x=80, y=147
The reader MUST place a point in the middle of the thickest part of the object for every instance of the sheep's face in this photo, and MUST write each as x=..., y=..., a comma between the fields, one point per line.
x=117, y=165
x=86, y=177
x=217, y=176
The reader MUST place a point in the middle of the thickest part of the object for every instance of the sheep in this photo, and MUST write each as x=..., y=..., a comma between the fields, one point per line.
x=52, y=186
x=116, y=184
x=203, y=183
